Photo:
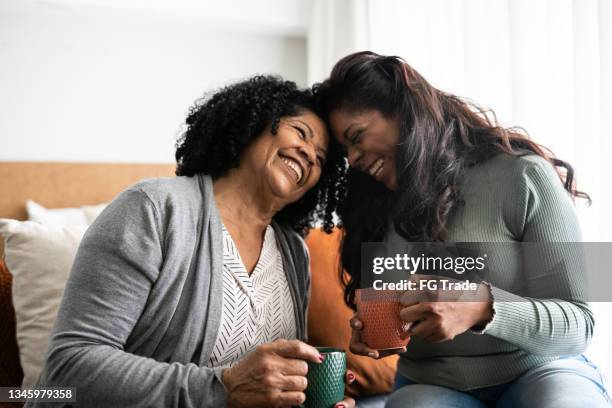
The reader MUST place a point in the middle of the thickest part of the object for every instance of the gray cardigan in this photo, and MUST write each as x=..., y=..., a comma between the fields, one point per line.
x=142, y=307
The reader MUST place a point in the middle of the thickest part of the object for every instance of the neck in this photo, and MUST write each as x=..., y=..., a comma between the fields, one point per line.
x=243, y=202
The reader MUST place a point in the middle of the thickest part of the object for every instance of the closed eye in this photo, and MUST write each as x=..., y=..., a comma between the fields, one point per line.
x=303, y=135
x=301, y=131
x=356, y=138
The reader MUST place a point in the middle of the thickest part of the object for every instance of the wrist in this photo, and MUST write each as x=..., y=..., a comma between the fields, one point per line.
x=486, y=313
x=485, y=306
x=226, y=378
x=227, y=381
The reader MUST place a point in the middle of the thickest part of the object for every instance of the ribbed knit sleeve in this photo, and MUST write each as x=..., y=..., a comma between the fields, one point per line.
x=554, y=318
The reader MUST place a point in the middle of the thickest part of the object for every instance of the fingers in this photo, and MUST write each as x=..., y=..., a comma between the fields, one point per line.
x=410, y=297
x=390, y=352
x=418, y=294
x=293, y=383
x=285, y=383
x=358, y=347
x=355, y=323
x=425, y=330
x=293, y=366
x=297, y=349
x=291, y=398
x=347, y=402
x=364, y=350
x=413, y=313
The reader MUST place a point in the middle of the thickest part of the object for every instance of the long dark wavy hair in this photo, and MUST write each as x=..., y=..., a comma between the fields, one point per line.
x=221, y=125
x=440, y=136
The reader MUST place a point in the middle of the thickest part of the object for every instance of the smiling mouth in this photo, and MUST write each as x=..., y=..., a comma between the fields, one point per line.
x=376, y=167
x=294, y=167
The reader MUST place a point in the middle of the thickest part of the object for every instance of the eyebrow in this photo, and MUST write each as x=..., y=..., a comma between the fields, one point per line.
x=311, y=133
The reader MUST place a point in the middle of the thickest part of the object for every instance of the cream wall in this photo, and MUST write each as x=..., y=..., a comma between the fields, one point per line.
x=97, y=80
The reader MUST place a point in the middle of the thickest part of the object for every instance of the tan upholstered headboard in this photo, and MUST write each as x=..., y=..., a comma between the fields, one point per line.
x=57, y=185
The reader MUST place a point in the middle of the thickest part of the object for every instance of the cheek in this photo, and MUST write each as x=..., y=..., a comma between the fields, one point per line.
x=286, y=136
x=386, y=145
x=315, y=176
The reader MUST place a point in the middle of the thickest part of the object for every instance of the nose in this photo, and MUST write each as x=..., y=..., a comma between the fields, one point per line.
x=308, y=153
x=353, y=156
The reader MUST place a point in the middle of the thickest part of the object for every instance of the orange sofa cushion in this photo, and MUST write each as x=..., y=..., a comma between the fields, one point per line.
x=328, y=317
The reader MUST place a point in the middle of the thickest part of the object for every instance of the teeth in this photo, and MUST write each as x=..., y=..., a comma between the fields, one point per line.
x=376, y=167
x=295, y=167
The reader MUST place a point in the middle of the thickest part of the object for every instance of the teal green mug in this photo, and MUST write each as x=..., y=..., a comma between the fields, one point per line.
x=326, y=379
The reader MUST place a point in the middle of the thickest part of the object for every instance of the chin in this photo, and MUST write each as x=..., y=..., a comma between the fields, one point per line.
x=389, y=181
x=391, y=185
x=285, y=189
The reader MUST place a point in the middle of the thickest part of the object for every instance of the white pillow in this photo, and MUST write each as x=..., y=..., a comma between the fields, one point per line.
x=65, y=217
x=39, y=258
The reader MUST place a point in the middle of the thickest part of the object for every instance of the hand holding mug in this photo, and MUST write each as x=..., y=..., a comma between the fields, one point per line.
x=273, y=375
x=357, y=346
x=441, y=321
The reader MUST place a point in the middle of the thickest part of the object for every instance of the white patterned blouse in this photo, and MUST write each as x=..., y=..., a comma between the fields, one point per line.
x=257, y=309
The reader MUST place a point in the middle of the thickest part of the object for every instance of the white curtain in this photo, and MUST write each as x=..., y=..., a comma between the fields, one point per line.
x=544, y=65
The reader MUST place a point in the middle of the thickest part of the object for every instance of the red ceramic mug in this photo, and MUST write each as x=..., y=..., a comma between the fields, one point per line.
x=379, y=312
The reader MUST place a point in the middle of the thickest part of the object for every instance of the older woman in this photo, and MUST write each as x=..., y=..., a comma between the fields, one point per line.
x=192, y=291
x=427, y=166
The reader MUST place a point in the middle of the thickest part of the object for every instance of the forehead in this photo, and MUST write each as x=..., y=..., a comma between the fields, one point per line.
x=342, y=121
x=315, y=123
x=349, y=117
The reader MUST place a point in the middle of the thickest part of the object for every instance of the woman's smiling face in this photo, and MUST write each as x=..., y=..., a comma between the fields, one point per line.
x=289, y=163
x=371, y=140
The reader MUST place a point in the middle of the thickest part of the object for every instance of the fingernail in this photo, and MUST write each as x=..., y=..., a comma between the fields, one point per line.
x=321, y=357
x=372, y=354
x=340, y=406
x=351, y=376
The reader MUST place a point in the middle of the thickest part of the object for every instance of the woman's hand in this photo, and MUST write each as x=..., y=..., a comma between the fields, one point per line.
x=357, y=346
x=442, y=321
x=274, y=375
x=347, y=402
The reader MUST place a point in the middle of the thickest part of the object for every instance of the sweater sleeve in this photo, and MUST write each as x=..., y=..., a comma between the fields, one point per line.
x=116, y=265
x=554, y=318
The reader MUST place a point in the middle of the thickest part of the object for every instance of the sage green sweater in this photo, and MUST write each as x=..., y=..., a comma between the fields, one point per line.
x=509, y=199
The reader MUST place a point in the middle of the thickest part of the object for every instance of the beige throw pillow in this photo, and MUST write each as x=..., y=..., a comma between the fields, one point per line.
x=40, y=258
x=63, y=217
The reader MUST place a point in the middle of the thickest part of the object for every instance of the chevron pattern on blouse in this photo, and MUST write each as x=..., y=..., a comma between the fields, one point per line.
x=257, y=309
